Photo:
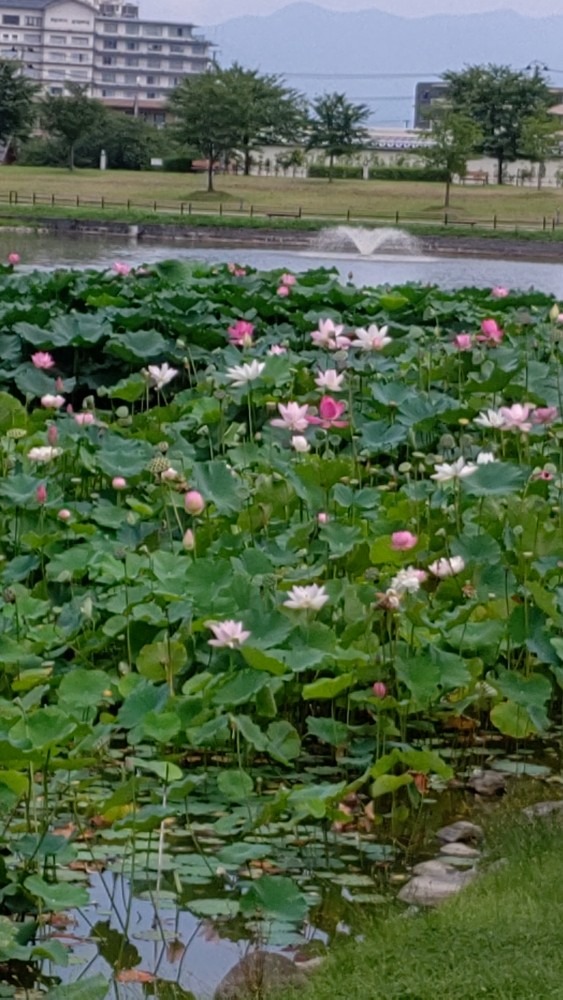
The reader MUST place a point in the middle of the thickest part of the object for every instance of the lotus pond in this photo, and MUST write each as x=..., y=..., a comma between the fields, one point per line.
x=281, y=558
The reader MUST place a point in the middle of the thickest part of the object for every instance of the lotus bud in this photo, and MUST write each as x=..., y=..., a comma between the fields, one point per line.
x=194, y=503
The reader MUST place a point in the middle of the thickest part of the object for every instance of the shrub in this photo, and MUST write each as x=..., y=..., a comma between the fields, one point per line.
x=340, y=172
x=397, y=173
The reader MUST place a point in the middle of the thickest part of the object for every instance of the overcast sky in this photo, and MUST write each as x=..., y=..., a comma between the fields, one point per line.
x=214, y=11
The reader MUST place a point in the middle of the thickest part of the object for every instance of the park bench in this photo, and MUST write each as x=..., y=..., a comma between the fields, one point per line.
x=476, y=177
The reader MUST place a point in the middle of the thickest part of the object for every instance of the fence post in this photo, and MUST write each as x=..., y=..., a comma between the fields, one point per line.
x=128, y=204
x=494, y=222
x=220, y=208
x=553, y=224
x=9, y=197
x=154, y=206
x=52, y=201
x=544, y=224
x=445, y=218
x=16, y=194
x=396, y=218
x=34, y=198
x=78, y=201
x=300, y=212
x=190, y=208
x=181, y=208
x=251, y=211
x=102, y=202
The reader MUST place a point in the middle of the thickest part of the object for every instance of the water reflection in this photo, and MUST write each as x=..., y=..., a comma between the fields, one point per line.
x=74, y=250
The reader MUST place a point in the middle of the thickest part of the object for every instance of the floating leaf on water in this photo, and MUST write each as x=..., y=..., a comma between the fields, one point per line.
x=93, y=988
x=214, y=907
x=520, y=767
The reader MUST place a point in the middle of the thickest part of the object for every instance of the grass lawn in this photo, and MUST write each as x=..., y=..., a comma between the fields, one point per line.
x=317, y=198
x=500, y=939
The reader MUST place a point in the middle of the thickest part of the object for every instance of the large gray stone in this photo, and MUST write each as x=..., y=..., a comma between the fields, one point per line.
x=541, y=810
x=487, y=782
x=459, y=849
x=427, y=890
x=258, y=974
x=462, y=830
x=436, y=868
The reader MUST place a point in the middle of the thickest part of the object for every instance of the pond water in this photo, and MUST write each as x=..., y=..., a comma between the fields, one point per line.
x=57, y=250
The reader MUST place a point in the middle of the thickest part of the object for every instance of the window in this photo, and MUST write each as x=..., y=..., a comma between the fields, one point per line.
x=108, y=92
x=176, y=63
x=110, y=29
x=56, y=91
x=32, y=39
x=108, y=77
x=57, y=39
x=154, y=47
x=10, y=19
x=132, y=46
x=175, y=31
x=131, y=29
x=32, y=22
x=108, y=61
x=151, y=94
x=152, y=29
x=176, y=48
x=110, y=43
x=131, y=60
x=79, y=40
x=78, y=74
x=78, y=57
x=152, y=80
x=153, y=63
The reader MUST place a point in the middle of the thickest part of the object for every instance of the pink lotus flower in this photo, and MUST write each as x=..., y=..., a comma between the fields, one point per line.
x=42, y=359
x=330, y=412
x=283, y=291
x=241, y=333
x=330, y=335
x=491, y=332
x=323, y=517
x=13, y=258
x=228, y=634
x=41, y=493
x=237, y=272
x=544, y=475
x=194, y=503
x=276, y=349
x=288, y=279
x=52, y=434
x=463, y=341
x=52, y=402
x=379, y=689
x=293, y=417
x=517, y=417
x=84, y=418
x=119, y=483
x=545, y=415
x=121, y=268
x=64, y=514
x=499, y=292
x=402, y=541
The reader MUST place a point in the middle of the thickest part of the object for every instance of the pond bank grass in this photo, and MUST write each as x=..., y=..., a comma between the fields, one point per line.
x=500, y=939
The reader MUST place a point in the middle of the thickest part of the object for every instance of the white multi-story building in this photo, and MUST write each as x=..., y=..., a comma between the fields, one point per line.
x=127, y=62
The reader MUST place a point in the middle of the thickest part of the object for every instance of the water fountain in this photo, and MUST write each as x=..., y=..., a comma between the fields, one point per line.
x=368, y=242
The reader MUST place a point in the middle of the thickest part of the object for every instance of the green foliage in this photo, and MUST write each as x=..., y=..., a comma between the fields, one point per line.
x=453, y=137
x=499, y=101
x=17, y=110
x=422, y=173
x=337, y=126
x=339, y=171
x=70, y=117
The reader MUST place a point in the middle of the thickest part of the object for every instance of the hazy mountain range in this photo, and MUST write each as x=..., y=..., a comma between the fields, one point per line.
x=306, y=39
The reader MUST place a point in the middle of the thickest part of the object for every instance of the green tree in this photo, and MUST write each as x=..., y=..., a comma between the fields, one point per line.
x=205, y=112
x=71, y=118
x=268, y=112
x=17, y=111
x=499, y=100
x=454, y=137
x=337, y=126
x=541, y=139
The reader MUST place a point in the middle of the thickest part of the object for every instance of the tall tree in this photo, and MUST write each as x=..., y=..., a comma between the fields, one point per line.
x=453, y=138
x=71, y=117
x=206, y=117
x=541, y=139
x=17, y=111
x=268, y=113
x=499, y=100
x=337, y=126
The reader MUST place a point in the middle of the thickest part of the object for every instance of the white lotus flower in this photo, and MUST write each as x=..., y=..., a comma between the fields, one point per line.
x=330, y=380
x=407, y=581
x=241, y=375
x=293, y=417
x=300, y=443
x=446, y=471
x=52, y=402
x=306, y=598
x=485, y=458
x=372, y=339
x=161, y=376
x=44, y=454
x=491, y=419
x=329, y=334
x=228, y=634
x=447, y=567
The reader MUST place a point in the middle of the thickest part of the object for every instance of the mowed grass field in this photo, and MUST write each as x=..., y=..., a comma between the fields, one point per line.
x=361, y=199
